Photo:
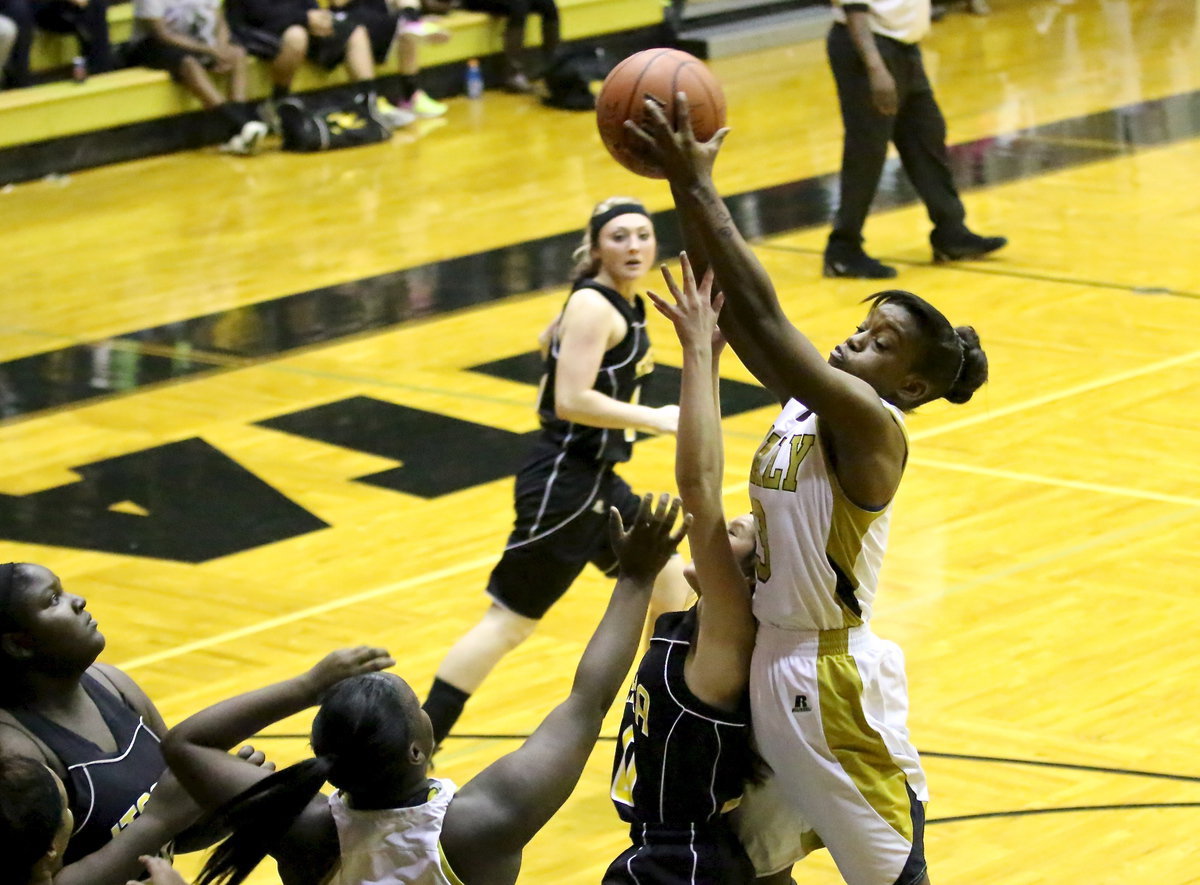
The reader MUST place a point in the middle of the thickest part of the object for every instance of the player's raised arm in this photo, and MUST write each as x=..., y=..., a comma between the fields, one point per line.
x=720, y=668
x=760, y=333
x=496, y=814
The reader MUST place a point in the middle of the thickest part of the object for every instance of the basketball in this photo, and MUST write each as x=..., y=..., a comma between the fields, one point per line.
x=660, y=73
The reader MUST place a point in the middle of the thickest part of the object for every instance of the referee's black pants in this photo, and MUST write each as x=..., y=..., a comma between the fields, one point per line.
x=918, y=130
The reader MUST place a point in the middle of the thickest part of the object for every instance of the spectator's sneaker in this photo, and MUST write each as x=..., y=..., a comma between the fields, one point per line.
x=429, y=31
x=424, y=106
x=247, y=142
x=392, y=116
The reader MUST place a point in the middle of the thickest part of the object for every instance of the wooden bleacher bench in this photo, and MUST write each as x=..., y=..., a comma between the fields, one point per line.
x=135, y=95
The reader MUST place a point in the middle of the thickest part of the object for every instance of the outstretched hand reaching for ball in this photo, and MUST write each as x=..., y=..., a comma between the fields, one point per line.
x=681, y=157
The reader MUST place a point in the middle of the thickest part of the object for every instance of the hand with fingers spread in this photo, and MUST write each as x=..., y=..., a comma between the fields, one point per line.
x=675, y=149
x=645, y=547
x=343, y=664
x=695, y=311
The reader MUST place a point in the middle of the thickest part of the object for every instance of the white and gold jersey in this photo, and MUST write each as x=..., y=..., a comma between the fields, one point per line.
x=819, y=554
x=394, y=846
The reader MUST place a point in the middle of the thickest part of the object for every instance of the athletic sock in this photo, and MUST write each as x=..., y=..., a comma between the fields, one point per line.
x=408, y=85
x=444, y=705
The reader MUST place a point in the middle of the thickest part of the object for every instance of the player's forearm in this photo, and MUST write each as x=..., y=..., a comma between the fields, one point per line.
x=117, y=862
x=752, y=315
x=609, y=654
x=594, y=409
x=224, y=725
x=699, y=455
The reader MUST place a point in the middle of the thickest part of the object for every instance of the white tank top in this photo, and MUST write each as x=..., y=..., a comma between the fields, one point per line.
x=819, y=554
x=393, y=846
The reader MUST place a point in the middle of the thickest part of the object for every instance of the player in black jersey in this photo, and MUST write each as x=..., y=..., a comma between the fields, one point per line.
x=684, y=754
x=91, y=726
x=597, y=354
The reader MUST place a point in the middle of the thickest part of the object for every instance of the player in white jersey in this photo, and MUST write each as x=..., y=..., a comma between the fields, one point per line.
x=828, y=698
x=389, y=823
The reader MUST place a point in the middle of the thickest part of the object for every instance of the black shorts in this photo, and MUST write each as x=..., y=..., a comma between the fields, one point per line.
x=329, y=52
x=380, y=23
x=562, y=506
x=150, y=52
x=706, y=855
x=265, y=42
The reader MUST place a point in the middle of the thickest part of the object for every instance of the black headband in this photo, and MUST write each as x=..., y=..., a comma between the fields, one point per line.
x=598, y=221
x=8, y=575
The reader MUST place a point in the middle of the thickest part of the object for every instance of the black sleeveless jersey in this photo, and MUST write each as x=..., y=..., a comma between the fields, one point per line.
x=621, y=372
x=678, y=761
x=105, y=791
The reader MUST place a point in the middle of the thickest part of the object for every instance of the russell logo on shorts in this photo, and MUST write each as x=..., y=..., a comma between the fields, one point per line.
x=801, y=704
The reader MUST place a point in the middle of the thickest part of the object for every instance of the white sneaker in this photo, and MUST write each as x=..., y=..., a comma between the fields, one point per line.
x=247, y=142
x=392, y=116
x=423, y=106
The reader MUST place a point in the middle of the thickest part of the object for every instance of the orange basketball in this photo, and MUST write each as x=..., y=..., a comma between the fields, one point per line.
x=660, y=73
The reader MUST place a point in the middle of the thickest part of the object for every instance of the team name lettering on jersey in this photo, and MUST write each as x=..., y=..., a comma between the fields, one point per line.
x=767, y=473
x=645, y=365
x=134, y=810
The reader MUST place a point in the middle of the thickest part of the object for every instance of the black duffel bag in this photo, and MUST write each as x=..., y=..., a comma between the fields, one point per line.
x=337, y=124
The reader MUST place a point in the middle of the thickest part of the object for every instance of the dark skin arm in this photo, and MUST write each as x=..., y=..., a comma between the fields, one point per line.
x=733, y=331
x=495, y=815
x=883, y=85
x=868, y=445
x=197, y=751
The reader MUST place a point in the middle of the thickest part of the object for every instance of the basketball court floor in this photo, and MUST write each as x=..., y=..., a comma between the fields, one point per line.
x=257, y=409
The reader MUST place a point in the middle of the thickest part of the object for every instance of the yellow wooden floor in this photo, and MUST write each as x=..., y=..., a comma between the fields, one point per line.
x=1044, y=567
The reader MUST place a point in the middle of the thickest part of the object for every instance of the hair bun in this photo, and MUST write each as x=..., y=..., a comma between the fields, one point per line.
x=974, y=369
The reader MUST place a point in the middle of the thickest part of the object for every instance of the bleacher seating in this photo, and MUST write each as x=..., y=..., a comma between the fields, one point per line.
x=65, y=109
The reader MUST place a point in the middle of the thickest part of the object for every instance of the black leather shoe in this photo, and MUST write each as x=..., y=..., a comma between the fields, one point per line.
x=859, y=266
x=967, y=246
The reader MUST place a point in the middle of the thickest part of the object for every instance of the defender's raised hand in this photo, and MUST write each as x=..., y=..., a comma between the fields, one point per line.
x=644, y=549
x=695, y=311
x=344, y=663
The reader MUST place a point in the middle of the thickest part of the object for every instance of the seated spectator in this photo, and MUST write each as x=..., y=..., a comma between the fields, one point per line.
x=190, y=38
x=400, y=22
x=514, y=13
x=87, y=20
x=285, y=32
x=16, y=21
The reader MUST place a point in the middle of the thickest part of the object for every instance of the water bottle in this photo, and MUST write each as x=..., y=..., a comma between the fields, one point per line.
x=79, y=69
x=474, y=79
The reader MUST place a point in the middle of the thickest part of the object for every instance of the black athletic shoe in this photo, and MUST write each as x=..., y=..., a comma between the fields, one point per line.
x=966, y=246
x=858, y=265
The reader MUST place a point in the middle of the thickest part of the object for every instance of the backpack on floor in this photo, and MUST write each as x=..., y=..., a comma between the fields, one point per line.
x=337, y=124
x=574, y=77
